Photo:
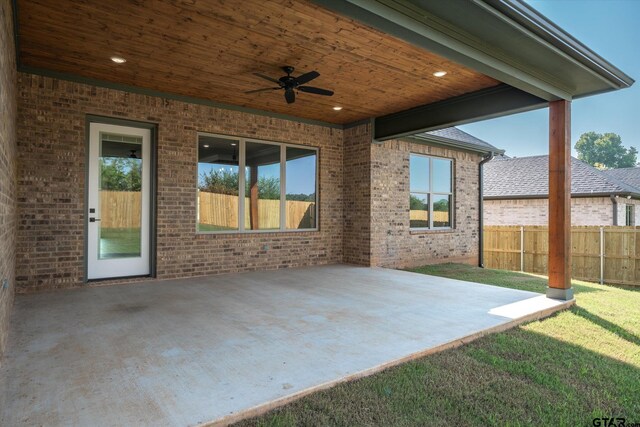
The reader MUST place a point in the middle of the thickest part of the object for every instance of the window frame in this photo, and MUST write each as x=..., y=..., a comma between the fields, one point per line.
x=242, y=185
x=430, y=194
x=629, y=215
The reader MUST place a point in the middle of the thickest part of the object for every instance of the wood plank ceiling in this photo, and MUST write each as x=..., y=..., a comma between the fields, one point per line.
x=209, y=49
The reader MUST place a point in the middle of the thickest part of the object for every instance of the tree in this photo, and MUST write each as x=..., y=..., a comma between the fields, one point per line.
x=416, y=204
x=221, y=181
x=301, y=197
x=269, y=188
x=224, y=181
x=605, y=151
x=441, y=205
x=120, y=174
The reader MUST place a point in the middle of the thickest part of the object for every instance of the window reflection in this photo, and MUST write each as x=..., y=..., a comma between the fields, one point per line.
x=120, y=196
x=301, y=188
x=218, y=167
x=262, y=186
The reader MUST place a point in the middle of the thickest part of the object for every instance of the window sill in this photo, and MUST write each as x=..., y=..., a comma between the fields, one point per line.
x=234, y=233
x=432, y=230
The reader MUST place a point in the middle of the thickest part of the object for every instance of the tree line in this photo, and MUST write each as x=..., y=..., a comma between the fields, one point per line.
x=227, y=182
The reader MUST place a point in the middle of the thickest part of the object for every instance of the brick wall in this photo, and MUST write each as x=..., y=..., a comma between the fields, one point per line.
x=584, y=211
x=364, y=190
x=51, y=149
x=357, y=195
x=8, y=155
x=393, y=244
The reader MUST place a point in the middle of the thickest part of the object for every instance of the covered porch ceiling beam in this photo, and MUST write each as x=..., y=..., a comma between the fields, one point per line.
x=483, y=104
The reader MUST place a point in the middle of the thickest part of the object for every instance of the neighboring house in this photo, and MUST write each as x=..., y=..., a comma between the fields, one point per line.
x=630, y=176
x=516, y=192
x=146, y=140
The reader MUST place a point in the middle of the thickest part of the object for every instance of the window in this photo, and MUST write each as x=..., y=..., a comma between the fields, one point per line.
x=431, y=192
x=218, y=181
x=262, y=186
x=248, y=185
x=301, y=188
x=629, y=216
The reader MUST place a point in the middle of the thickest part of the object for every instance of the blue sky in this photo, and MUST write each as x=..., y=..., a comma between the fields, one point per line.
x=612, y=29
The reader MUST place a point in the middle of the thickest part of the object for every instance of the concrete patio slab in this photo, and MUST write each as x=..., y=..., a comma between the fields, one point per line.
x=214, y=349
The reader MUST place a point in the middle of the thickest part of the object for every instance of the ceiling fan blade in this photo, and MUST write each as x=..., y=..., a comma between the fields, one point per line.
x=271, y=79
x=307, y=77
x=290, y=96
x=315, y=90
x=262, y=90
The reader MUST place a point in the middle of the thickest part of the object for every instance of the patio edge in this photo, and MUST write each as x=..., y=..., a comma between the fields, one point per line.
x=276, y=403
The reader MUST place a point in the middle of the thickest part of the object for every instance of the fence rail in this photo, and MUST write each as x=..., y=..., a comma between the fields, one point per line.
x=600, y=254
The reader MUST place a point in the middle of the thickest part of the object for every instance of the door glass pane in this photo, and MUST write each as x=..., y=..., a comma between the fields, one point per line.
x=301, y=188
x=419, y=173
x=418, y=210
x=262, y=191
x=441, y=176
x=441, y=211
x=120, y=189
x=218, y=185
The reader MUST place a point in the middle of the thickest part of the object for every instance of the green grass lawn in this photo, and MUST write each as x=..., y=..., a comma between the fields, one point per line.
x=579, y=364
x=119, y=242
x=210, y=227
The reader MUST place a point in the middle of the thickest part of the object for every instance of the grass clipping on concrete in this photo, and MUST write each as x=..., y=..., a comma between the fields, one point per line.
x=568, y=369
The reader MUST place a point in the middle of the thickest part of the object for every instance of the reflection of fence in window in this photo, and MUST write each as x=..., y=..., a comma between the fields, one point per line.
x=120, y=209
x=221, y=210
x=438, y=216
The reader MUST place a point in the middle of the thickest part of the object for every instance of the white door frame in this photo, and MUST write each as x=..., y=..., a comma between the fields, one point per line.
x=117, y=267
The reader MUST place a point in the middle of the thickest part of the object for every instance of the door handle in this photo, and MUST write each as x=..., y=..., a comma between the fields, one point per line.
x=94, y=219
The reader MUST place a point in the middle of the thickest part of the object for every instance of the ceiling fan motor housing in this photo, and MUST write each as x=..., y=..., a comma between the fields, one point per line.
x=288, y=82
x=292, y=84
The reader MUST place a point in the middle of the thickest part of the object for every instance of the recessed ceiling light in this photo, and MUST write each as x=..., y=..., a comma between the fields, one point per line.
x=233, y=143
x=206, y=145
x=440, y=73
x=118, y=59
x=337, y=108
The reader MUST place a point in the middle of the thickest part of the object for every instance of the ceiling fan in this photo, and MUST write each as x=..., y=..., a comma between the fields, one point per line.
x=291, y=84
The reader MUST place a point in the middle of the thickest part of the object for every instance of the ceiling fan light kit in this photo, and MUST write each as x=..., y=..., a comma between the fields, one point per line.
x=292, y=84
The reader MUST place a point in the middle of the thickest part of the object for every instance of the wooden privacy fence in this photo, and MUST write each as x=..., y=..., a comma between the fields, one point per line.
x=438, y=216
x=598, y=254
x=221, y=210
x=120, y=209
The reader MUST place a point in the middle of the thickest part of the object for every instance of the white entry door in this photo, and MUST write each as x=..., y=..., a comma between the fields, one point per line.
x=118, y=213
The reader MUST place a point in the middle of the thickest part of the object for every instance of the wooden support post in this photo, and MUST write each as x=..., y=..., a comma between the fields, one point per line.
x=253, y=198
x=560, y=200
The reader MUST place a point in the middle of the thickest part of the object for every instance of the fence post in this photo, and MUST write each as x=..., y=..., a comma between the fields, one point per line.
x=601, y=255
x=521, y=248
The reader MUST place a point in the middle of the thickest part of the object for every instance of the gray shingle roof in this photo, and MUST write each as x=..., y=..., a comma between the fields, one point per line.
x=630, y=176
x=529, y=177
x=455, y=137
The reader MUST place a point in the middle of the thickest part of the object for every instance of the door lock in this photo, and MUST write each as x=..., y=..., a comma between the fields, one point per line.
x=94, y=219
